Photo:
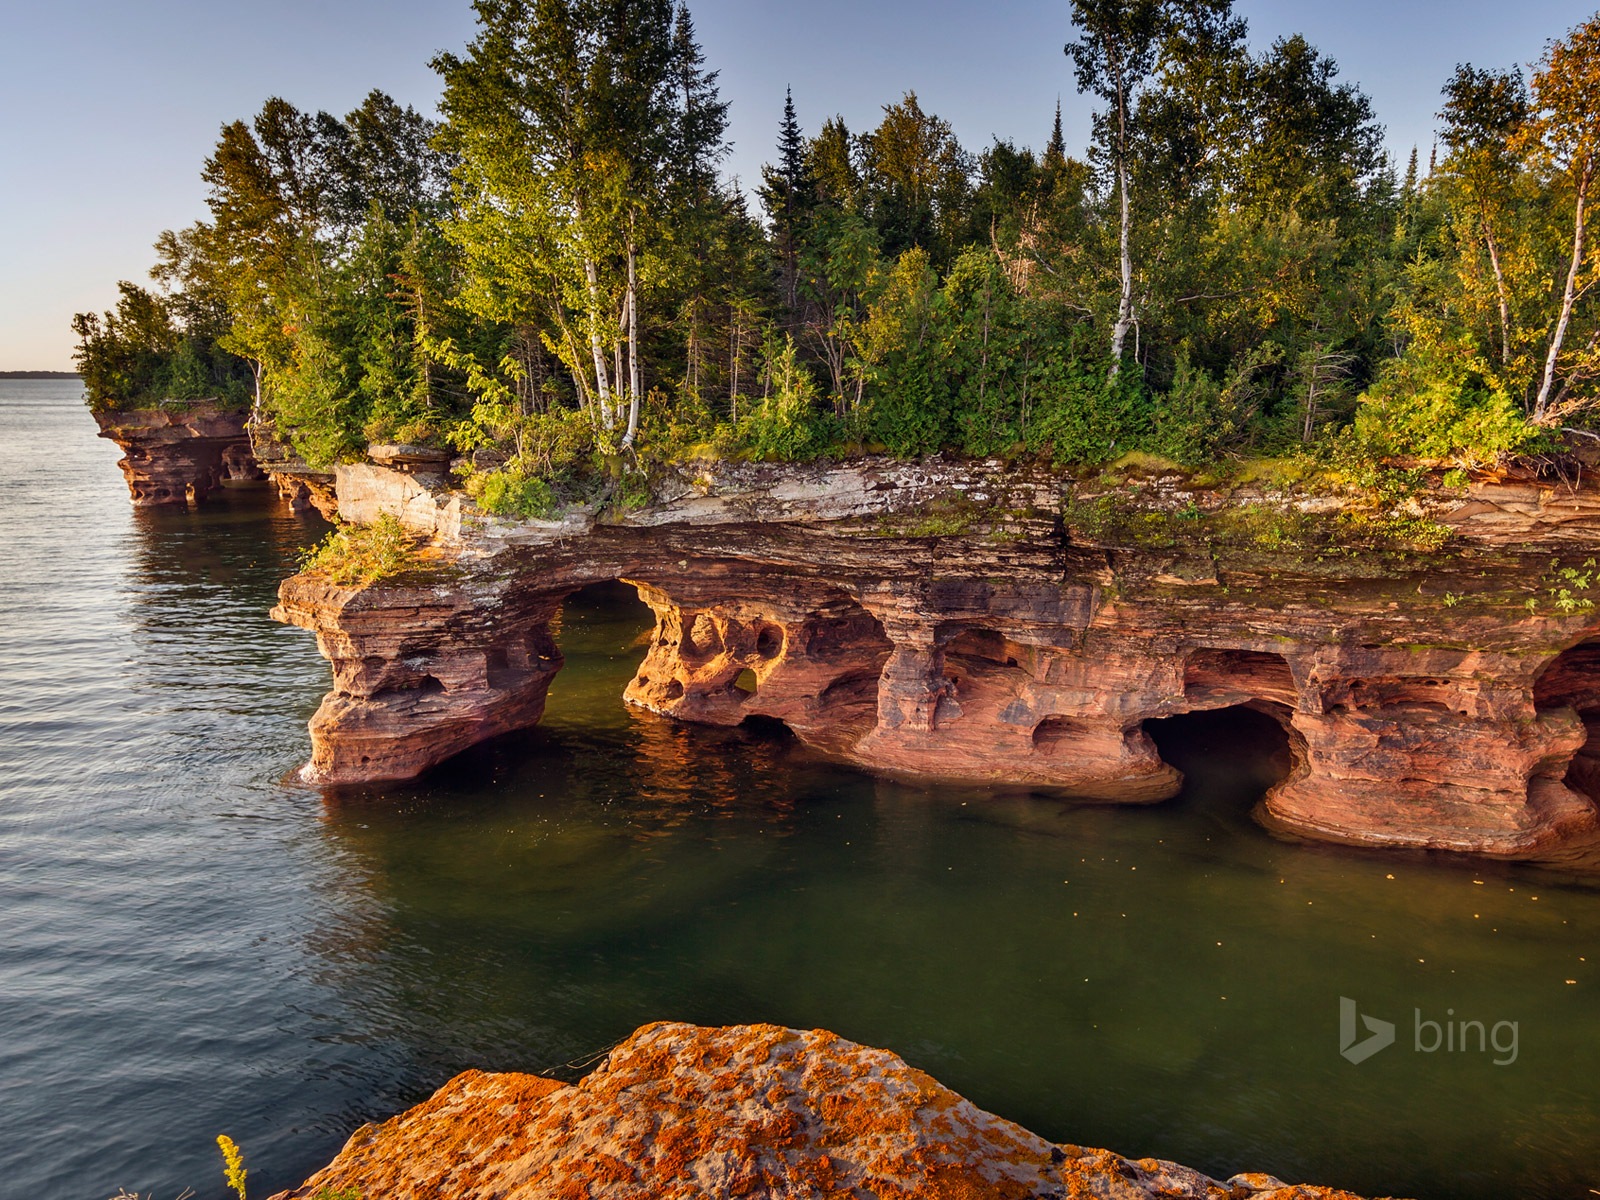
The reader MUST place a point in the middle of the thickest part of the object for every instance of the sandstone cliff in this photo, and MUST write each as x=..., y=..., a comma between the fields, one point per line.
x=678, y=1112
x=977, y=622
x=304, y=487
x=179, y=456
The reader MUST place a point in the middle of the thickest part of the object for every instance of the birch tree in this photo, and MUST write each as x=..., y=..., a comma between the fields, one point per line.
x=1565, y=136
x=1116, y=52
x=562, y=115
x=1484, y=112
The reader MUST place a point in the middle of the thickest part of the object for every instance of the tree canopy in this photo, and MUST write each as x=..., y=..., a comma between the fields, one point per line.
x=555, y=278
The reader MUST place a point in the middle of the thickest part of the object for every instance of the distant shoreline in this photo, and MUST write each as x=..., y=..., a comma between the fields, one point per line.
x=39, y=375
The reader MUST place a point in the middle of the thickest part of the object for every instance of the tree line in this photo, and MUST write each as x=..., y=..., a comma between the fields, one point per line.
x=556, y=279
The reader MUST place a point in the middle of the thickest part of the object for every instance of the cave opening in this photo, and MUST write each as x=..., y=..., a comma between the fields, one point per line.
x=599, y=636
x=1229, y=756
x=767, y=728
x=1572, y=680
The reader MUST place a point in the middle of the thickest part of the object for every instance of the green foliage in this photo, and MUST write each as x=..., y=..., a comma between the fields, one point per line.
x=143, y=354
x=1427, y=406
x=556, y=281
x=512, y=492
x=1568, y=586
x=360, y=555
x=788, y=424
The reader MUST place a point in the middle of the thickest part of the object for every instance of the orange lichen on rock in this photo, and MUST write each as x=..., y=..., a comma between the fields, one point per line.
x=679, y=1112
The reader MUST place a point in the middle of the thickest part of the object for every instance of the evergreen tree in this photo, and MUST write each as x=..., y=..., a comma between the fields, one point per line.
x=1055, y=150
x=786, y=194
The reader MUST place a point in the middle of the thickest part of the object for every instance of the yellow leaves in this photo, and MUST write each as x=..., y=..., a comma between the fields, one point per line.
x=233, y=1161
x=1566, y=92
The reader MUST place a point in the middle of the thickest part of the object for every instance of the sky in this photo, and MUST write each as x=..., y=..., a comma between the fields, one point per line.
x=108, y=108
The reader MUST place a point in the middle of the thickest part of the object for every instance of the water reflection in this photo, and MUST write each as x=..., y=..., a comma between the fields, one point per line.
x=189, y=948
x=1164, y=980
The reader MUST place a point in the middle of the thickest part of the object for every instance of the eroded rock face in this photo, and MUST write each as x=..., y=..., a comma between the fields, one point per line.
x=179, y=457
x=303, y=487
x=679, y=1111
x=964, y=622
x=421, y=675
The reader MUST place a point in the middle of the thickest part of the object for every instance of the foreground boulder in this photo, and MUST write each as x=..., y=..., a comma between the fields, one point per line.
x=680, y=1111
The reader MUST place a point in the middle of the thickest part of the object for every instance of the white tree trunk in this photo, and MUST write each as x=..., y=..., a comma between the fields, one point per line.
x=1499, y=286
x=1119, y=334
x=634, y=372
x=602, y=381
x=1569, y=296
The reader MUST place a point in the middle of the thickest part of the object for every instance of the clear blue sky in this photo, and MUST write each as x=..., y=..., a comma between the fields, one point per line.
x=107, y=109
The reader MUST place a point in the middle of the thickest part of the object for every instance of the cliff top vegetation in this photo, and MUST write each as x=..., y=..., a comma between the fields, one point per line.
x=556, y=280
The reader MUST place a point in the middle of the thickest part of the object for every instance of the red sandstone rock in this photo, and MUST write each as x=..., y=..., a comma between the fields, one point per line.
x=679, y=1112
x=419, y=675
x=1010, y=647
x=303, y=487
x=179, y=456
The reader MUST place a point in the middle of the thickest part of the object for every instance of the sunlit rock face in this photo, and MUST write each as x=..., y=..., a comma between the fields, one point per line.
x=173, y=456
x=303, y=487
x=967, y=621
x=680, y=1111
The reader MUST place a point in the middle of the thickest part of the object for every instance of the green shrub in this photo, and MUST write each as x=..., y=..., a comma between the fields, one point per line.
x=788, y=425
x=1424, y=406
x=363, y=554
x=513, y=492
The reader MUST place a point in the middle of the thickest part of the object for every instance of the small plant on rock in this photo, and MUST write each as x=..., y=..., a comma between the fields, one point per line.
x=363, y=554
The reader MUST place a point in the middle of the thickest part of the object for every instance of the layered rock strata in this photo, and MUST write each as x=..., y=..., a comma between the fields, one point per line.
x=179, y=456
x=303, y=487
x=679, y=1111
x=979, y=623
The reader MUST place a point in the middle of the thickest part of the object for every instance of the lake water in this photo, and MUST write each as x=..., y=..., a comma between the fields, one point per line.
x=190, y=946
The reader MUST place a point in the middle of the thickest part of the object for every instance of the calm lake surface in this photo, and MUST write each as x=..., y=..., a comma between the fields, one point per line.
x=190, y=946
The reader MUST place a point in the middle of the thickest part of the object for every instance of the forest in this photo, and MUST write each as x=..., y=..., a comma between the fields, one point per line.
x=555, y=278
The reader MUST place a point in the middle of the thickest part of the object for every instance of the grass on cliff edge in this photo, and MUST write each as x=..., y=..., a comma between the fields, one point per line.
x=363, y=554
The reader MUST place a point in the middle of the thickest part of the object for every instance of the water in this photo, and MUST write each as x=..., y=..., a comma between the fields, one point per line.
x=190, y=946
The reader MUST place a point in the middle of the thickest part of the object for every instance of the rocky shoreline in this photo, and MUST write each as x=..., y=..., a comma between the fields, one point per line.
x=681, y=1111
x=179, y=455
x=986, y=623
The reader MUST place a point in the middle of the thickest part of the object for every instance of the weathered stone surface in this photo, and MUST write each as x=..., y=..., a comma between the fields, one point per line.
x=963, y=621
x=679, y=1111
x=422, y=675
x=305, y=488
x=178, y=456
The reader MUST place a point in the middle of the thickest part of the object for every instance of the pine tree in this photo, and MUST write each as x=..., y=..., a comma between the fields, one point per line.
x=1055, y=151
x=701, y=133
x=785, y=193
